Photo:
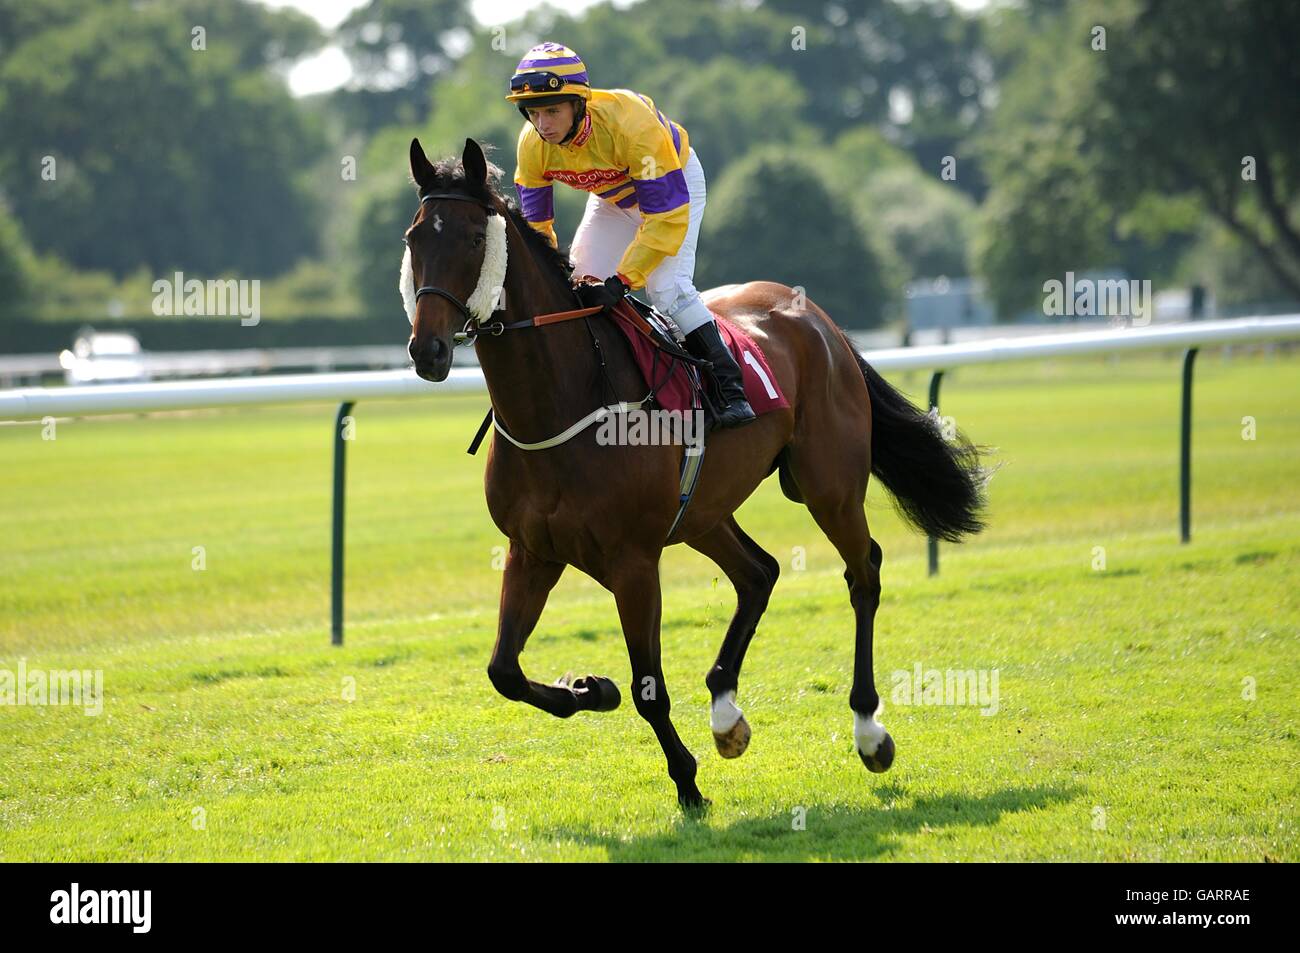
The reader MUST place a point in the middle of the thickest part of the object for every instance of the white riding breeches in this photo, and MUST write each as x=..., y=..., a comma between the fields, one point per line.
x=605, y=232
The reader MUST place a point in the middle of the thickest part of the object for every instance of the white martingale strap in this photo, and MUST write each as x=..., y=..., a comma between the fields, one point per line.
x=491, y=278
x=600, y=413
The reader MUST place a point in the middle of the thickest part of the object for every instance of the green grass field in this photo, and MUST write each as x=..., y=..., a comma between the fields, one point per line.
x=1146, y=711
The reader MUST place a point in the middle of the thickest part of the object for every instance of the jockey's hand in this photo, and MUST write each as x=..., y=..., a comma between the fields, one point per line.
x=605, y=295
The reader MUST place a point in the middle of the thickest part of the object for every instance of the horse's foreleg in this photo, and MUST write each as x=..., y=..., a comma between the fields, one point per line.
x=753, y=572
x=524, y=589
x=636, y=590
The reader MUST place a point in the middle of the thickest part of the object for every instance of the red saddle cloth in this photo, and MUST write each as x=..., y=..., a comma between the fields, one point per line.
x=761, y=386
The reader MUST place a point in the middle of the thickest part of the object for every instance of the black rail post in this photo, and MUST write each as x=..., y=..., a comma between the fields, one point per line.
x=336, y=576
x=932, y=544
x=1185, y=451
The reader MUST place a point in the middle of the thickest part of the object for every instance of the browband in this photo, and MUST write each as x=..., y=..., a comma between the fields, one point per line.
x=461, y=197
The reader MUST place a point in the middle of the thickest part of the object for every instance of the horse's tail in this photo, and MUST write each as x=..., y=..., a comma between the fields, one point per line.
x=937, y=483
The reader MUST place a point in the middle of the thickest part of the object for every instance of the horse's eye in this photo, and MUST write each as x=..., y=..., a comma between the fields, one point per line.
x=478, y=240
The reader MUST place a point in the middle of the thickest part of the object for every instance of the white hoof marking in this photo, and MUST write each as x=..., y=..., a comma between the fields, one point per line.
x=724, y=714
x=868, y=732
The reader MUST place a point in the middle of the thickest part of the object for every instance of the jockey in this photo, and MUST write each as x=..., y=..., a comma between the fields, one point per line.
x=647, y=198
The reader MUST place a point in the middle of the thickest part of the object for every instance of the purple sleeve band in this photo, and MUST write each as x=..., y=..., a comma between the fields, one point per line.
x=662, y=194
x=536, y=204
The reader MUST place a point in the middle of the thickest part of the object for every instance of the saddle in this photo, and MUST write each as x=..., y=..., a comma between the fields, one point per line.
x=669, y=389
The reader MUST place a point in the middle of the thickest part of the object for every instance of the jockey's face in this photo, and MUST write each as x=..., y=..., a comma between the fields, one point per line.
x=552, y=122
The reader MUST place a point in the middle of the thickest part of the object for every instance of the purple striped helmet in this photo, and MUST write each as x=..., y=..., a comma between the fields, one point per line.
x=549, y=69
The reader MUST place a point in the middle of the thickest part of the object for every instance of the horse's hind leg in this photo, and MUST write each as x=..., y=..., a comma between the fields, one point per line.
x=753, y=572
x=835, y=488
x=524, y=588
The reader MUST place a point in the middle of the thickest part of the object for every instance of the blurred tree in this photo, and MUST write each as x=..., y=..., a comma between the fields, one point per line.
x=1045, y=215
x=20, y=20
x=384, y=213
x=926, y=223
x=918, y=225
x=774, y=217
x=1203, y=99
x=15, y=268
x=397, y=49
x=728, y=107
x=917, y=70
x=1046, y=211
x=262, y=36
x=1122, y=123
x=1233, y=273
x=125, y=146
x=860, y=152
x=625, y=47
x=471, y=102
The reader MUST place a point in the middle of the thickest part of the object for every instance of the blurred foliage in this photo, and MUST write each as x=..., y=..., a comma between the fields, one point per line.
x=385, y=212
x=717, y=105
x=753, y=235
x=16, y=267
x=125, y=146
x=1122, y=125
x=1201, y=92
x=397, y=49
x=925, y=223
x=823, y=130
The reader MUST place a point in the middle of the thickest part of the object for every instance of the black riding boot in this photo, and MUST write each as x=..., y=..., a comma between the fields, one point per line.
x=706, y=342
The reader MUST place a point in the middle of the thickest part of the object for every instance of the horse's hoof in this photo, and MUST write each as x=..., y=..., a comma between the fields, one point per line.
x=732, y=743
x=879, y=762
x=602, y=693
x=693, y=803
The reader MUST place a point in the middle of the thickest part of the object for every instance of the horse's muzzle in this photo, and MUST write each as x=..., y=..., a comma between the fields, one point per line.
x=433, y=361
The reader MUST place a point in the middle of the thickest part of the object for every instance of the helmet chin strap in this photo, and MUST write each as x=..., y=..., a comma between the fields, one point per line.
x=578, y=113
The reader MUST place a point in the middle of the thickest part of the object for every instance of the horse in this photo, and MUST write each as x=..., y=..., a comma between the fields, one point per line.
x=473, y=265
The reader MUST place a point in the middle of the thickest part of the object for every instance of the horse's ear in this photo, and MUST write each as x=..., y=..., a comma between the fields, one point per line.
x=421, y=168
x=474, y=163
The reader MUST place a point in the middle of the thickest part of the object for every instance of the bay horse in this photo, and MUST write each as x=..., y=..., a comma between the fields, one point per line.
x=607, y=510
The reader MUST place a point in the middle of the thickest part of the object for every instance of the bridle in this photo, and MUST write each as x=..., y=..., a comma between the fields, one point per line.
x=472, y=326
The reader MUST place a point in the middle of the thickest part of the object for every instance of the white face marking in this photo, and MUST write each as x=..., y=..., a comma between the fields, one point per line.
x=437, y=222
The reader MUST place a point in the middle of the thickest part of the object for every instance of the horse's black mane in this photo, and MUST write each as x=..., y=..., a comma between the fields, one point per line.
x=449, y=175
